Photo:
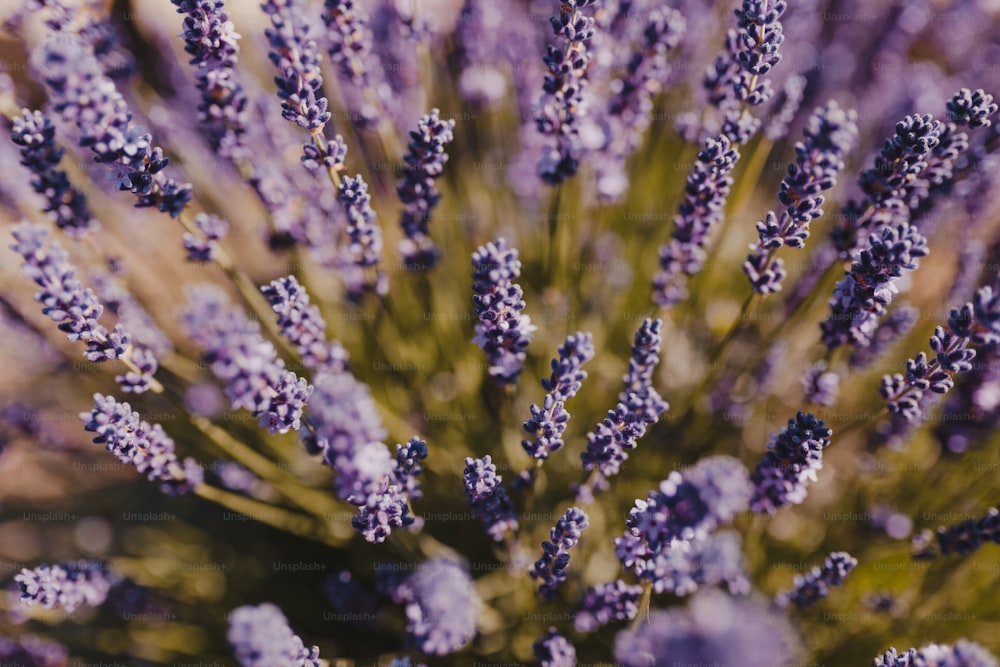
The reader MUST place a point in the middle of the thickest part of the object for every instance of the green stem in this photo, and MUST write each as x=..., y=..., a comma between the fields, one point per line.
x=643, y=614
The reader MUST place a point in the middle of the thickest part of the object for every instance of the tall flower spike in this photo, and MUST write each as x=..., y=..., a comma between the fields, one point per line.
x=561, y=106
x=962, y=653
x=554, y=650
x=861, y=297
x=135, y=442
x=814, y=586
x=442, y=607
x=261, y=637
x=255, y=378
x=82, y=93
x=36, y=135
x=205, y=248
x=503, y=331
x=551, y=567
x=296, y=57
x=302, y=323
x=760, y=36
x=892, y=329
x=792, y=459
x=425, y=159
x=487, y=498
x=67, y=585
x=971, y=109
x=688, y=565
x=705, y=195
x=601, y=604
x=548, y=422
x=364, y=240
x=830, y=135
x=349, y=39
x=961, y=539
x=210, y=39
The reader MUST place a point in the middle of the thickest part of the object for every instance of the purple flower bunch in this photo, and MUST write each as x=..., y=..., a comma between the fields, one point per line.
x=364, y=240
x=135, y=442
x=705, y=194
x=255, y=378
x=487, y=498
x=67, y=586
x=604, y=603
x=442, y=607
x=810, y=588
x=554, y=650
x=296, y=57
x=551, y=567
x=205, y=247
x=302, y=324
x=760, y=37
x=962, y=538
x=793, y=458
x=349, y=39
x=261, y=637
x=503, y=332
x=548, y=421
x=425, y=159
x=830, y=135
x=962, y=653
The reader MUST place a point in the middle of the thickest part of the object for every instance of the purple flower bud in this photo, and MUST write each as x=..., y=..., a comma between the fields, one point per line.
x=67, y=586
x=503, y=331
x=408, y=458
x=442, y=607
x=814, y=586
x=962, y=653
x=601, y=604
x=687, y=565
x=296, y=57
x=971, y=109
x=487, y=498
x=204, y=248
x=962, y=538
x=365, y=239
x=895, y=326
x=792, y=459
x=302, y=323
x=548, y=423
x=349, y=39
x=383, y=510
x=760, y=37
x=551, y=567
x=261, y=637
x=554, y=650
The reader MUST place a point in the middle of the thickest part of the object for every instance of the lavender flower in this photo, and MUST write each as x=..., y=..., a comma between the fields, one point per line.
x=211, y=40
x=894, y=327
x=639, y=406
x=261, y=637
x=365, y=238
x=296, y=58
x=561, y=106
x=118, y=299
x=85, y=96
x=812, y=587
x=32, y=651
x=548, y=422
x=35, y=134
x=821, y=385
x=425, y=159
x=714, y=629
x=382, y=511
x=601, y=604
x=792, y=459
x=760, y=37
x=972, y=109
x=861, y=298
x=255, y=378
x=503, y=331
x=349, y=39
x=442, y=607
x=962, y=653
x=705, y=196
x=487, y=498
x=554, y=650
x=302, y=323
x=408, y=458
x=551, y=567
x=68, y=585
x=687, y=565
x=962, y=538
x=829, y=135
x=344, y=418
x=205, y=248
x=133, y=441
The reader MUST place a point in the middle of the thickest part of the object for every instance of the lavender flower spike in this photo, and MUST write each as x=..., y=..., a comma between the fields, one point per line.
x=36, y=135
x=442, y=608
x=133, y=441
x=487, y=497
x=211, y=40
x=554, y=650
x=601, y=604
x=67, y=585
x=205, y=248
x=349, y=39
x=548, y=423
x=425, y=160
x=365, y=239
x=561, y=105
x=503, y=331
x=296, y=58
x=551, y=567
x=261, y=637
x=962, y=653
x=302, y=323
x=793, y=457
x=760, y=38
x=829, y=135
x=705, y=196
x=812, y=587
x=962, y=538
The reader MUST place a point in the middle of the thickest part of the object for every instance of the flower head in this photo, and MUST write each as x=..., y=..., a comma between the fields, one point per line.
x=793, y=457
x=261, y=637
x=67, y=585
x=442, y=607
x=812, y=587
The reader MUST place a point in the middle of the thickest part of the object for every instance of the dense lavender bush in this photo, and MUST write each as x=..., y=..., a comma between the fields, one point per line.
x=257, y=408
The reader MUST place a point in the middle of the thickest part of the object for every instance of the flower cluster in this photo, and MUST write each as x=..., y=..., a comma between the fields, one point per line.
x=561, y=106
x=962, y=538
x=814, y=586
x=551, y=567
x=487, y=498
x=705, y=195
x=67, y=586
x=349, y=39
x=36, y=135
x=302, y=324
x=830, y=135
x=364, y=240
x=255, y=378
x=135, y=442
x=425, y=159
x=296, y=57
x=548, y=422
x=554, y=650
x=761, y=36
x=442, y=607
x=261, y=637
x=962, y=653
x=793, y=458
x=503, y=332
x=205, y=248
